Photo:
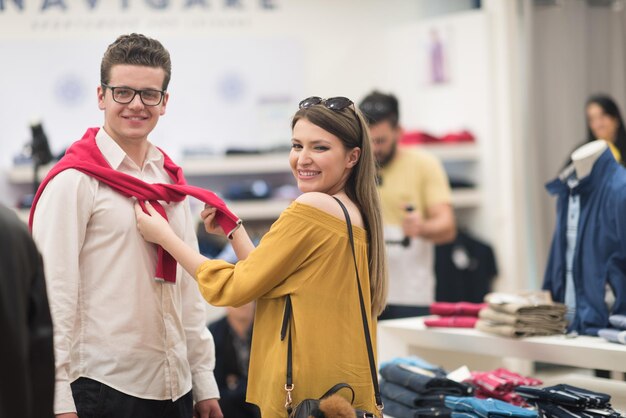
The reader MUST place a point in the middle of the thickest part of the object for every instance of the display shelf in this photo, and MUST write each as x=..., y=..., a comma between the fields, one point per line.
x=453, y=151
x=234, y=165
x=258, y=210
x=271, y=209
x=252, y=164
x=255, y=210
x=211, y=166
x=23, y=173
x=399, y=336
x=466, y=198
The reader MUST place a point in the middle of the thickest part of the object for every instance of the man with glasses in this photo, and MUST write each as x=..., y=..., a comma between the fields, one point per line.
x=130, y=334
x=416, y=205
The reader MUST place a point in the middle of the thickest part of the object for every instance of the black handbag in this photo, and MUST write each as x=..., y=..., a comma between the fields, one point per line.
x=310, y=407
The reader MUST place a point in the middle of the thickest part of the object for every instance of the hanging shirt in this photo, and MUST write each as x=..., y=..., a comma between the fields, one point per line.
x=573, y=216
x=615, y=151
x=600, y=251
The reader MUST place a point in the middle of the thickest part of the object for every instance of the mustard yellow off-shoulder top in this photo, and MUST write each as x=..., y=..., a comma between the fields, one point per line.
x=306, y=253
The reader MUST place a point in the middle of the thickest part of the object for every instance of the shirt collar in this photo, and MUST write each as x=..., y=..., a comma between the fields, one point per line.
x=599, y=171
x=115, y=155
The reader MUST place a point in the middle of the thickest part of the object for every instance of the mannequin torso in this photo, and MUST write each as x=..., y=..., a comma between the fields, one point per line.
x=585, y=156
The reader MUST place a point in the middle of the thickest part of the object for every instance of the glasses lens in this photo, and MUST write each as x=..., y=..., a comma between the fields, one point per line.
x=310, y=101
x=338, y=103
x=151, y=97
x=123, y=95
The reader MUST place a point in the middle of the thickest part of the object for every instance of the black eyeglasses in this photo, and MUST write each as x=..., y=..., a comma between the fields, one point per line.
x=125, y=95
x=332, y=103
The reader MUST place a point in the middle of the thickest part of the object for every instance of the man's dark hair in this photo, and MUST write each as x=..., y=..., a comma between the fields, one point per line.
x=379, y=107
x=136, y=49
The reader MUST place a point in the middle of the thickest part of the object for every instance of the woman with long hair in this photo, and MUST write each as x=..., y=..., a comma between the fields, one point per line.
x=305, y=255
x=604, y=121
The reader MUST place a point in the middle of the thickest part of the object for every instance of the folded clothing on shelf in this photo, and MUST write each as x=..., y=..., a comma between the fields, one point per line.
x=618, y=321
x=422, y=381
x=456, y=308
x=409, y=398
x=567, y=401
x=451, y=322
x=399, y=410
x=537, y=318
x=613, y=335
x=522, y=314
x=460, y=183
x=486, y=408
x=459, y=136
x=522, y=302
x=248, y=190
x=454, y=314
x=421, y=137
x=417, y=137
x=513, y=331
x=527, y=323
x=426, y=368
x=500, y=384
x=566, y=395
x=617, y=334
x=550, y=410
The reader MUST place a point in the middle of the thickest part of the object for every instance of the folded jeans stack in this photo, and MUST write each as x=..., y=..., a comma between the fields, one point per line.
x=413, y=388
x=616, y=334
x=522, y=314
x=566, y=401
x=470, y=407
x=500, y=384
x=454, y=314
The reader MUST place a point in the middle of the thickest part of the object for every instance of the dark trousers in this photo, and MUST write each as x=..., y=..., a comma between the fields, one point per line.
x=97, y=400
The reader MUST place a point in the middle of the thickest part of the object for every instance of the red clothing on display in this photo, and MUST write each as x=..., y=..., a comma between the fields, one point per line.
x=85, y=156
x=500, y=384
x=456, y=308
x=451, y=321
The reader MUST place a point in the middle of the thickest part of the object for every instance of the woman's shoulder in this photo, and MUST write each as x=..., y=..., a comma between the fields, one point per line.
x=327, y=203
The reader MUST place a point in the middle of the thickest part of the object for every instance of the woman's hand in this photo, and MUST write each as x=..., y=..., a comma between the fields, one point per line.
x=152, y=226
x=208, y=218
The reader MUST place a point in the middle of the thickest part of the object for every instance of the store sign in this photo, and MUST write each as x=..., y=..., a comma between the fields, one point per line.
x=43, y=18
x=69, y=6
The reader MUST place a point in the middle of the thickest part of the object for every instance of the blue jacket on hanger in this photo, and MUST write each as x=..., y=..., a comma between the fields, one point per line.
x=600, y=250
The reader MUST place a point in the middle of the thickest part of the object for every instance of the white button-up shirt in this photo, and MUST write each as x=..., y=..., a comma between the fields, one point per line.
x=113, y=322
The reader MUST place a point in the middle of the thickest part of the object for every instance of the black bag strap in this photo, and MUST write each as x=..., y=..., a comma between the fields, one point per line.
x=336, y=389
x=283, y=331
x=366, y=329
x=368, y=339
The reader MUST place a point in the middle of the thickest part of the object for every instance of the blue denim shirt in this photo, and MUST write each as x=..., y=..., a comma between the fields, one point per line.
x=600, y=253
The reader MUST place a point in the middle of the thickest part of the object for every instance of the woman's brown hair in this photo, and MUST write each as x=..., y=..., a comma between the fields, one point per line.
x=350, y=127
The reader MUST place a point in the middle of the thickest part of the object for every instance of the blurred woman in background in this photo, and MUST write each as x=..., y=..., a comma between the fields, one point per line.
x=604, y=121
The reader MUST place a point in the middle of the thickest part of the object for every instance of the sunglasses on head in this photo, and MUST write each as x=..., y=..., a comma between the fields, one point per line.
x=332, y=103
